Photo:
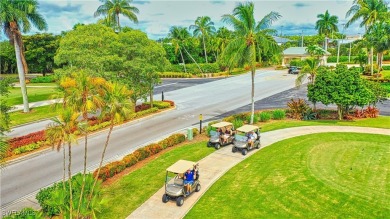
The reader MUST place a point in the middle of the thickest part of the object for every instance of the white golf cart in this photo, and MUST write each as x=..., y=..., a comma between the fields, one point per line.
x=174, y=181
x=215, y=139
x=242, y=142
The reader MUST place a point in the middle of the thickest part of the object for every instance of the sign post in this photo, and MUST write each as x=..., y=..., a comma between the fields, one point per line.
x=200, y=123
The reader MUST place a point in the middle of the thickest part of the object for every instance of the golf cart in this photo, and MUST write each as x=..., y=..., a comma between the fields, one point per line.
x=174, y=181
x=216, y=139
x=242, y=141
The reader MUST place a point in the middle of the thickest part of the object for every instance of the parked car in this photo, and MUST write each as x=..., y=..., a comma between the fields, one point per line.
x=174, y=181
x=242, y=142
x=293, y=70
x=216, y=139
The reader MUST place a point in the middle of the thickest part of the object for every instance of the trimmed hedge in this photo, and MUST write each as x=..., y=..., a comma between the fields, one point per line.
x=43, y=79
x=113, y=168
x=161, y=104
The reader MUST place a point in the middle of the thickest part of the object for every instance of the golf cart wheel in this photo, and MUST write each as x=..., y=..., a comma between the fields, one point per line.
x=258, y=145
x=208, y=144
x=197, y=188
x=217, y=146
x=244, y=151
x=234, y=149
x=165, y=198
x=180, y=201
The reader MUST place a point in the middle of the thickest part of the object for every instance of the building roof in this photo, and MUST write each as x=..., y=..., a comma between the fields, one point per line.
x=298, y=51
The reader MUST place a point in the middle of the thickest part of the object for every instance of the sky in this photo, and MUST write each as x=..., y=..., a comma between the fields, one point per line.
x=157, y=16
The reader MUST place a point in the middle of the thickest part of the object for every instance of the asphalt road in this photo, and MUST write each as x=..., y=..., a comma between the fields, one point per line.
x=211, y=99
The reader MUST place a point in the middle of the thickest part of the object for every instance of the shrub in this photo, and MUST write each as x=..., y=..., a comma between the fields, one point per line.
x=161, y=104
x=43, y=79
x=278, y=114
x=46, y=194
x=26, y=148
x=297, y=108
x=142, y=107
x=386, y=67
x=264, y=116
x=195, y=132
x=297, y=62
x=26, y=139
x=238, y=123
x=170, y=102
x=371, y=112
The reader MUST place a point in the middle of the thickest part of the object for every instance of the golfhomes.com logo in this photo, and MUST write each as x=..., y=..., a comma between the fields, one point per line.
x=17, y=213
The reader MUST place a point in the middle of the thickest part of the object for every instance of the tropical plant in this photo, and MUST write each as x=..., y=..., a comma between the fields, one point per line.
x=117, y=107
x=250, y=35
x=327, y=24
x=17, y=16
x=369, y=12
x=378, y=36
x=113, y=8
x=203, y=26
x=179, y=37
x=310, y=68
x=361, y=58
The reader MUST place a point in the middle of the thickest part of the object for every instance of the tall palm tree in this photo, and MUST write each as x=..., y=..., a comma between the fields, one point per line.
x=204, y=27
x=249, y=35
x=327, y=24
x=61, y=131
x=84, y=96
x=117, y=106
x=113, y=8
x=379, y=38
x=370, y=12
x=17, y=16
x=179, y=36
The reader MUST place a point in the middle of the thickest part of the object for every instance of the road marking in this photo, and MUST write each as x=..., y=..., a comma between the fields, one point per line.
x=164, y=85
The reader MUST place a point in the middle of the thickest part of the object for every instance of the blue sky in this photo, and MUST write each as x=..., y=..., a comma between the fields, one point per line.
x=157, y=16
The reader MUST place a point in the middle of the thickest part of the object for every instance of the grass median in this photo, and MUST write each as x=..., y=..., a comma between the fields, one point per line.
x=327, y=175
x=34, y=94
x=130, y=191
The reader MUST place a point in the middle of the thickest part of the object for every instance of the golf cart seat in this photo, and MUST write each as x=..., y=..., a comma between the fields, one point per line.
x=178, y=181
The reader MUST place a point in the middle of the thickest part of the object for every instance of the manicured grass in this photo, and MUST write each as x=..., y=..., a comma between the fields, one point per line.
x=43, y=112
x=34, y=94
x=380, y=122
x=385, y=73
x=128, y=193
x=42, y=84
x=327, y=175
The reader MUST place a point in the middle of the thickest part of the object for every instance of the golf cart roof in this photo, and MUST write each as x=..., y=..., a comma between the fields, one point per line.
x=247, y=128
x=221, y=124
x=181, y=166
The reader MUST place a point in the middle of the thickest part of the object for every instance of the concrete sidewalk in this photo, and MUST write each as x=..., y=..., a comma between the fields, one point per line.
x=36, y=104
x=218, y=163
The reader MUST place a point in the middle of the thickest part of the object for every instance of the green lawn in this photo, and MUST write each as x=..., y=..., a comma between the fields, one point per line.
x=34, y=94
x=38, y=113
x=128, y=193
x=328, y=175
x=385, y=73
x=380, y=122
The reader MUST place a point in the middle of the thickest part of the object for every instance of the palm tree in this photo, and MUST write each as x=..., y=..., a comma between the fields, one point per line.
x=84, y=96
x=249, y=35
x=17, y=15
x=203, y=26
x=117, y=106
x=310, y=68
x=361, y=58
x=179, y=36
x=370, y=12
x=379, y=38
x=327, y=24
x=59, y=132
x=113, y=8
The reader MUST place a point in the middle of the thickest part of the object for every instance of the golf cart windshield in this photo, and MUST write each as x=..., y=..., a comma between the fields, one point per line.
x=241, y=137
x=214, y=133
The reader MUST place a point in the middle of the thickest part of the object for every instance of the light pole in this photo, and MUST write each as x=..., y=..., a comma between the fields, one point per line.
x=302, y=39
x=281, y=30
x=349, y=55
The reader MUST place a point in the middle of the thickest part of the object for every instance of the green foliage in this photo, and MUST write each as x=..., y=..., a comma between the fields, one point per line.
x=278, y=114
x=5, y=85
x=237, y=123
x=7, y=58
x=333, y=59
x=174, y=75
x=26, y=148
x=297, y=108
x=161, y=104
x=25, y=213
x=297, y=62
x=54, y=200
x=44, y=79
x=264, y=116
x=386, y=67
x=343, y=87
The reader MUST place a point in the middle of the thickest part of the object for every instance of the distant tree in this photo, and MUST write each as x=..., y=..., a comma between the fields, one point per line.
x=203, y=27
x=15, y=16
x=326, y=25
x=113, y=8
x=7, y=58
x=249, y=37
x=40, y=52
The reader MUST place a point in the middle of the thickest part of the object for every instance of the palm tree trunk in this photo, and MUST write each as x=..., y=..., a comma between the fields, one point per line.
x=119, y=26
x=70, y=181
x=182, y=59
x=85, y=169
x=204, y=48
x=253, y=71
x=101, y=160
x=21, y=74
x=64, y=165
x=193, y=59
x=372, y=59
